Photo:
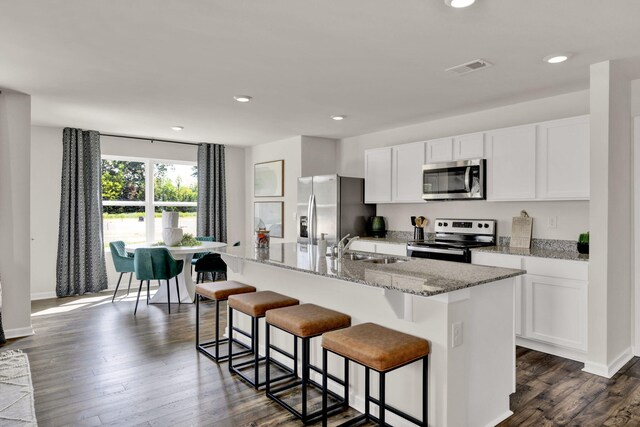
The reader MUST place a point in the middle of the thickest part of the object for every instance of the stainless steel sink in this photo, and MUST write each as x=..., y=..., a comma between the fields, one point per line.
x=384, y=260
x=357, y=257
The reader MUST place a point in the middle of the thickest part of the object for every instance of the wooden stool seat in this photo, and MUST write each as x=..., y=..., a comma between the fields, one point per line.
x=256, y=304
x=375, y=346
x=223, y=290
x=307, y=320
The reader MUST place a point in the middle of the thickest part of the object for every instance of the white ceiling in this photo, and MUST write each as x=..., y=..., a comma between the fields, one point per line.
x=138, y=67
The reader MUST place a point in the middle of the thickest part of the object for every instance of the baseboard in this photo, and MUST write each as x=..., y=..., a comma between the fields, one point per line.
x=577, y=355
x=609, y=370
x=500, y=419
x=43, y=295
x=19, y=332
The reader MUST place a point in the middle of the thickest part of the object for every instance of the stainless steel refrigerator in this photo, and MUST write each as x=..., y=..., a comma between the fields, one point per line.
x=333, y=205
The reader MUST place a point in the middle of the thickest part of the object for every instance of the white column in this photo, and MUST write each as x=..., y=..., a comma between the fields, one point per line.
x=15, y=239
x=609, y=309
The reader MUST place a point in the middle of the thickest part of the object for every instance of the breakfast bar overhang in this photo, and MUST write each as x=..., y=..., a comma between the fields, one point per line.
x=465, y=311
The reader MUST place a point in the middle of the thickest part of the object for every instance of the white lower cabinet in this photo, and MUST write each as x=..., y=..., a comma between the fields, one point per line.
x=550, y=303
x=396, y=249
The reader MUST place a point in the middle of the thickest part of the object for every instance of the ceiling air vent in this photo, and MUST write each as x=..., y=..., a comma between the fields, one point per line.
x=470, y=67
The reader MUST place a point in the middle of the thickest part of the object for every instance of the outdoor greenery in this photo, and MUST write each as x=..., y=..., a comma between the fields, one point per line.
x=125, y=181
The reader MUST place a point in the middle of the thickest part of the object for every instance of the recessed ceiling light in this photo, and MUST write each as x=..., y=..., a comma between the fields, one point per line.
x=177, y=128
x=458, y=4
x=338, y=118
x=242, y=98
x=556, y=58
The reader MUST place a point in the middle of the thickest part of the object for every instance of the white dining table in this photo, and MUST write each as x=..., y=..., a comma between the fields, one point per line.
x=185, y=280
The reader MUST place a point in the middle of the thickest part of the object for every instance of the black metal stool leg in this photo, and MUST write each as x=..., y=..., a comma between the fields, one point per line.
x=381, y=404
x=117, y=285
x=218, y=330
x=256, y=350
x=267, y=359
x=367, y=391
x=198, y=321
x=425, y=392
x=324, y=387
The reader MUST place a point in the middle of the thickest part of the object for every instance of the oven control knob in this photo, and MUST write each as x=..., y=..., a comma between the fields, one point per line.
x=446, y=225
x=486, y=226
x=479, y=225
x=439, y=224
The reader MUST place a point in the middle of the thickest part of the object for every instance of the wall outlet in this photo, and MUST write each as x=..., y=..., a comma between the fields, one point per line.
x=552, y=222
x=456, y=333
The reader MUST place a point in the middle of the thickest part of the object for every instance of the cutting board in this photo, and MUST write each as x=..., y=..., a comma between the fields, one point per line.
x=521, y=229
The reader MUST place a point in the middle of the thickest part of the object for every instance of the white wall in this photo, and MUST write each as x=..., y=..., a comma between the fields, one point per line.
x=289, y=150
x=46, y=170
x=46, y=174
x=15, y=253
x=573, y=217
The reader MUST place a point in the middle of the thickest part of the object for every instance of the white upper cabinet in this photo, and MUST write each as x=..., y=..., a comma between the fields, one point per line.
x=408, y=160
x=440, y=150
x=563, y=159
x=468, y=146
x=511, y=163
x=377, y=175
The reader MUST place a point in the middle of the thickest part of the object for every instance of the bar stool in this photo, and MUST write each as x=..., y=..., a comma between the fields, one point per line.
x=305, y=321
x=255, y=305
x=382, y=350
x=219, y=291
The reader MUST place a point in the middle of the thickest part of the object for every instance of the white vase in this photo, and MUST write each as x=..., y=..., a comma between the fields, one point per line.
x=172, y=236
x=170, y=219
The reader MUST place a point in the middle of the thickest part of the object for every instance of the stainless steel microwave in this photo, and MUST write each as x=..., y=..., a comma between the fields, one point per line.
x=461, y=180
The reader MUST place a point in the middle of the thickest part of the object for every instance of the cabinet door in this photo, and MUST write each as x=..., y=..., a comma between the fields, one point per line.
x=511, y=163
x=563, y=159
x=556, y=311
x=440, y=150
x=505, y=261
x=468, y=146
x=408, y=160
x=377, y=175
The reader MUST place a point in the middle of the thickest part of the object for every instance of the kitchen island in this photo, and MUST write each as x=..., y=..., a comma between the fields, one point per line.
x=464, y=310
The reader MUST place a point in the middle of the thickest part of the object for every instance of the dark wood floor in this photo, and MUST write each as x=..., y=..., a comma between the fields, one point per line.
x=94, y=364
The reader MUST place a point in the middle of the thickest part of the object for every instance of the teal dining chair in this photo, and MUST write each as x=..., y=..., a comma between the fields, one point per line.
x=123, y=263
x=156, y=264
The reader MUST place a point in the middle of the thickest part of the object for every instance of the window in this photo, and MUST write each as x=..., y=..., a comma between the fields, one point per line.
x=136, y=191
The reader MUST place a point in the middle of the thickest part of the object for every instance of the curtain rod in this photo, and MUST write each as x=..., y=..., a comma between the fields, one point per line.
x=152, y=140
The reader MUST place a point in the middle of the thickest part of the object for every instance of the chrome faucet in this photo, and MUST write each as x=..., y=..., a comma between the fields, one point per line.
x=341, y=246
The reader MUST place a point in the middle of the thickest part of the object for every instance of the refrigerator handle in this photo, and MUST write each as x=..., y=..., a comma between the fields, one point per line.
x=312, y=219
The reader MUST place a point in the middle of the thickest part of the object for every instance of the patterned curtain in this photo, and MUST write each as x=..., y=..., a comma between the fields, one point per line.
x=81, y=265
x=212, y=194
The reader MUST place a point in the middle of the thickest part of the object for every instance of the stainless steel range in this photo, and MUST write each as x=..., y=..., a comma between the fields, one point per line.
x=455, y=238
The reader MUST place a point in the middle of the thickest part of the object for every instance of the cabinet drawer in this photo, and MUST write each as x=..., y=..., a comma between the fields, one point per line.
x=576, y=270
x=363, y=245
x=391, y=249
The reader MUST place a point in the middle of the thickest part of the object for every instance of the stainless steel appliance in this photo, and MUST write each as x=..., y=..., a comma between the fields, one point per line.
x=333, y=205
x=464, y=179
x=455, y=238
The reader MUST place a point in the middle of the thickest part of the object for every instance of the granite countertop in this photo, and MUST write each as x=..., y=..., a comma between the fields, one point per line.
x=423, y=277
x=540, y=252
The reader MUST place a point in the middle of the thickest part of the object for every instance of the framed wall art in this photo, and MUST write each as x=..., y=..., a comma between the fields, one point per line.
x=268, y=215
x=268, y=179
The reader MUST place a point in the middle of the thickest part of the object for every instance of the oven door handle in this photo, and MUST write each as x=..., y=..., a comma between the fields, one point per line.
x=467, y=179
x=436, y=250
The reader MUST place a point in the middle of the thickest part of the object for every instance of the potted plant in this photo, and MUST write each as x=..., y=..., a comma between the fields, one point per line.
x=583, y=243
